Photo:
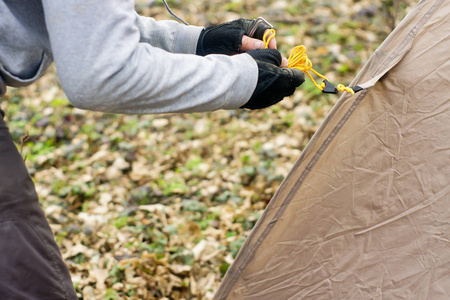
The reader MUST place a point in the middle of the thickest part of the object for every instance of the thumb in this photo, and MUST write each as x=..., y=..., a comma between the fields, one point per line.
x=271, y=56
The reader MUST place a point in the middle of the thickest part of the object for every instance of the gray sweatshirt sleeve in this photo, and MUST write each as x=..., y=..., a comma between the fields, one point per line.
x=103, y=64
x=168, y=35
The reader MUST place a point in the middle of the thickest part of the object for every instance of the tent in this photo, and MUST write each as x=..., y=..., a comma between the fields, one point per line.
x=365, y=211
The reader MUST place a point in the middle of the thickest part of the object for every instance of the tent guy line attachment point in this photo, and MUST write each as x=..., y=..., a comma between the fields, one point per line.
x=298, y=59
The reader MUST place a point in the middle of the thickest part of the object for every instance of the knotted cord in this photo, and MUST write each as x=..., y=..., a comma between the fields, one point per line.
x=299, y=60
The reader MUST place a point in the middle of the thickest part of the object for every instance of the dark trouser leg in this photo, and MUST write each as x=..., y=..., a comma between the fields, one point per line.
x=31, y=266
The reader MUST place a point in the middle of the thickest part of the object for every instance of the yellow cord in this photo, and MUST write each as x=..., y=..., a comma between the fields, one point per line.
x=268, y=36
x=299, y=60
x=342, y=88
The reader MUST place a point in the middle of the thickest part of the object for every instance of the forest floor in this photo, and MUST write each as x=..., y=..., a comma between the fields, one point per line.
x=157, y=206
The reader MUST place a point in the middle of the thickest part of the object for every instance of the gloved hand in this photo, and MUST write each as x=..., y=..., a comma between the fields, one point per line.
x=226, y=38
x=274, y=83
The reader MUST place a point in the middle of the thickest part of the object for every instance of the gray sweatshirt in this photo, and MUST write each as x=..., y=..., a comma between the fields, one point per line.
x=110, y=59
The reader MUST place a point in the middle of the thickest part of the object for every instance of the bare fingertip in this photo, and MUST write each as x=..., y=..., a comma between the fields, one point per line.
x=259, y=45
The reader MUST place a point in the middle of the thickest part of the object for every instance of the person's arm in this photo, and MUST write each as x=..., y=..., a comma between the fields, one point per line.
x=227, y=38
x=102, y=65
x=168, y=35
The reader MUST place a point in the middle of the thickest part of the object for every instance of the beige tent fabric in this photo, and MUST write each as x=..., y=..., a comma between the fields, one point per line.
x=365, y=211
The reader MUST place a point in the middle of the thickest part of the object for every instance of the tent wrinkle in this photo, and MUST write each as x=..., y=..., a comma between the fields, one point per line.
x=439, y=196
x=363, y=212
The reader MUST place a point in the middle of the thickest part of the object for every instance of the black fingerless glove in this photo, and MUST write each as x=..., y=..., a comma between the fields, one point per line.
x=274, y=83
x=247, y=25
x=227, y=38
